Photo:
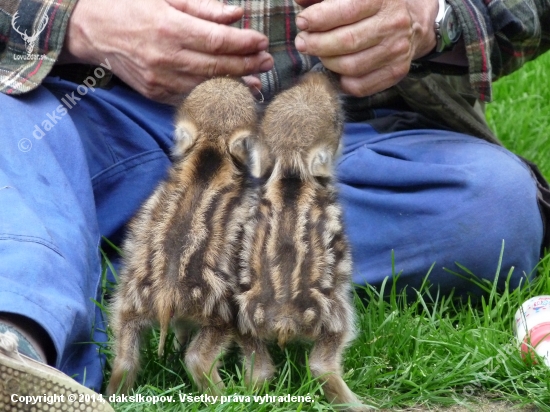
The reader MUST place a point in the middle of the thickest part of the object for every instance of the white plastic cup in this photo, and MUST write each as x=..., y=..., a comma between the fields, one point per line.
x=532, y=326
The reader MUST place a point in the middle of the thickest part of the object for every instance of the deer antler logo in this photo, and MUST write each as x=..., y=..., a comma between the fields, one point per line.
x=30, y=40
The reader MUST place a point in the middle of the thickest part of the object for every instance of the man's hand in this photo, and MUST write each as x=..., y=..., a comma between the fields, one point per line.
x=163, y=48
x=370, y=43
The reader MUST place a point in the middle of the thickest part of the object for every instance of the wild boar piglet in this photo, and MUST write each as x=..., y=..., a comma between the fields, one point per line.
x=295, y=282
x=180, y=253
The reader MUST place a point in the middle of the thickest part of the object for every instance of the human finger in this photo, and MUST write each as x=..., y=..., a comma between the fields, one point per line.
x=371, y=71
x=374, y=82
x=158, y=67
x=396, y=55
x=330, y=14
x=342, y=40
x=211, y=10
x=212, y=65
x=165, y=87
x=208, y=37
x=307, y=3
x=253, y=83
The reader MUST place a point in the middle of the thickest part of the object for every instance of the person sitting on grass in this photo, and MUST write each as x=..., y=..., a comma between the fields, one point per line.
x=89, y=90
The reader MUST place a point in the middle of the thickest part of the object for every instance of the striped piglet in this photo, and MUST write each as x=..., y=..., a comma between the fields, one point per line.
x=180, y=256
x=295, y=281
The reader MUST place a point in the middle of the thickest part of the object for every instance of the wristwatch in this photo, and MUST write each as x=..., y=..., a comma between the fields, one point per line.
x=447, y=29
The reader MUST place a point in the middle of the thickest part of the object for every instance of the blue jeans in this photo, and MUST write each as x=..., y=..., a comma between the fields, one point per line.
x=69, y=175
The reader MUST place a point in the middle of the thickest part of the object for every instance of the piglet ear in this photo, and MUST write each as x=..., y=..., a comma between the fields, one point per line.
x=320, y=162
x=247, y=149
x=261, y=162
x=184, y=137
x=239, y=144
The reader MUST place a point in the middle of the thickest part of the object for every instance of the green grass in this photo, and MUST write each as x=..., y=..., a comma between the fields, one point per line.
x=520, y=112
x=425, y=350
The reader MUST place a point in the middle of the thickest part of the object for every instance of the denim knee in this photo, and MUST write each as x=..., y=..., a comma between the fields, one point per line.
x=503, y=192
x=435, y=197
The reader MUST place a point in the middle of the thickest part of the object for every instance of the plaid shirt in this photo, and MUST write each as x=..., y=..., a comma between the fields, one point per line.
x=499, y=35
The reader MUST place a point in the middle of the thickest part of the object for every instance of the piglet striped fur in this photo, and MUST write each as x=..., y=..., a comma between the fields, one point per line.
x=295, y=281
x=181, y=252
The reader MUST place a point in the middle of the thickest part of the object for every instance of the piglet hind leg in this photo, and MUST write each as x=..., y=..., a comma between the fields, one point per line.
x=325, y=363
x=183, y=333
x=202, y=357
x=126, y=360
x=258, y=364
